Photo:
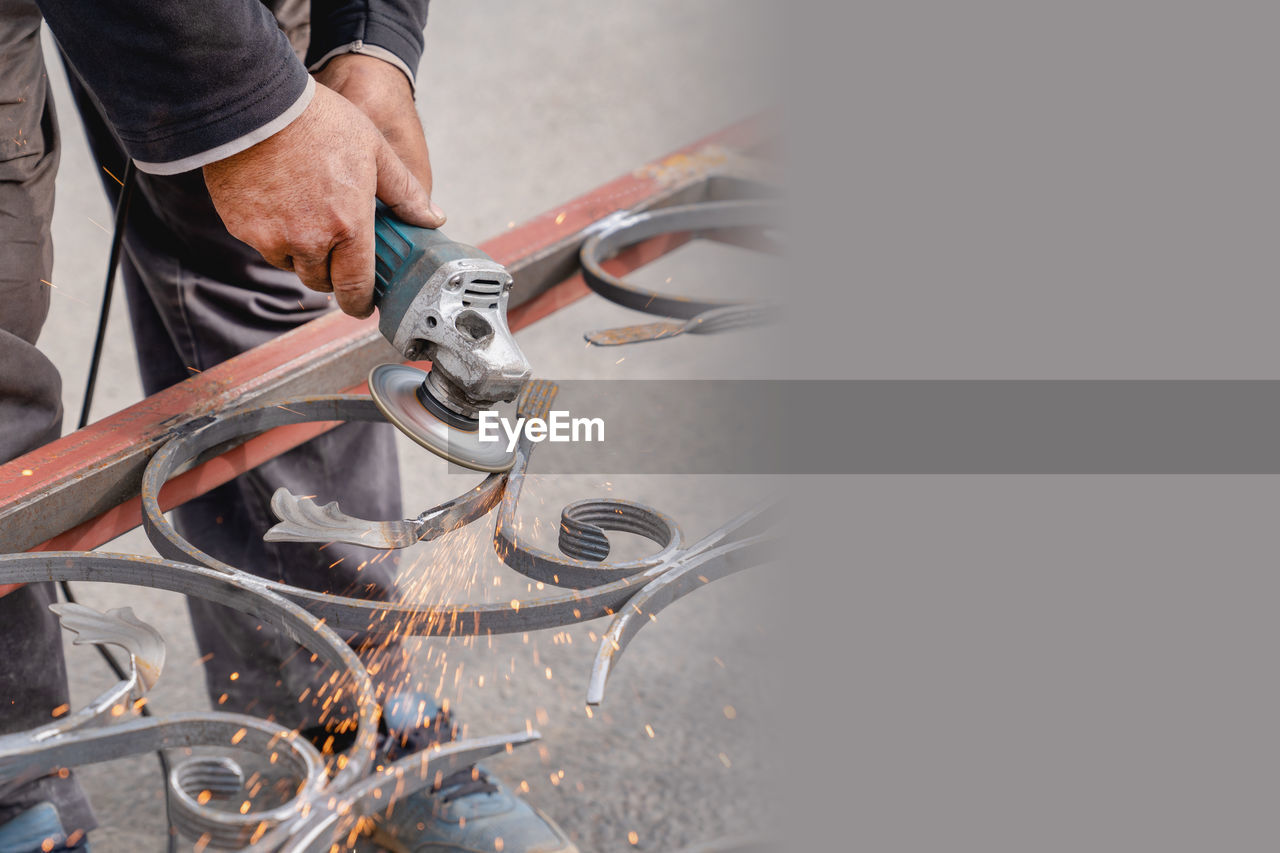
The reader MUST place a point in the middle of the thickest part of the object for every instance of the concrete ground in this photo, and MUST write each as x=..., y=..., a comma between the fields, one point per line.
x=526, y=106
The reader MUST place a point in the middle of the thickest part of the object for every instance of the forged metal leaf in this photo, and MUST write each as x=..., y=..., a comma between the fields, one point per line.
x=117, y=627
x=303, y=520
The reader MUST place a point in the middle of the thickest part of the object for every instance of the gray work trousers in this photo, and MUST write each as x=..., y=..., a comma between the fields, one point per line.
x=196, y=296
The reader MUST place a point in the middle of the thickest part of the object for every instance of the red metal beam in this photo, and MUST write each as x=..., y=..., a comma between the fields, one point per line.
x=81, y=490
x=221, y=469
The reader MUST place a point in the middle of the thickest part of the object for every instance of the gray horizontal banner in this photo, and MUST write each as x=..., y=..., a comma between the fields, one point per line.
x=916, y=427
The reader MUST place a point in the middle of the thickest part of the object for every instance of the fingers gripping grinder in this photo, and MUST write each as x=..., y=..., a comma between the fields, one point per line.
x=446, y=302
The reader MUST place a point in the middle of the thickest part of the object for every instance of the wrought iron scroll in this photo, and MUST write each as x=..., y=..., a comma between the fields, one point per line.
x=591, y=588
x=328, y=805
x=683, y=314
x=324, y=808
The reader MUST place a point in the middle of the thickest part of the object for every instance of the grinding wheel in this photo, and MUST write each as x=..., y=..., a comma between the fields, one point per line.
x=395, y=389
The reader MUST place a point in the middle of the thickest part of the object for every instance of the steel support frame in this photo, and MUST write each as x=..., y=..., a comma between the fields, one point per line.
x=81, y=491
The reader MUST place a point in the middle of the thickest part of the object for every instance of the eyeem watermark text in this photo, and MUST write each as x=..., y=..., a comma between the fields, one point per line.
x=557, y=428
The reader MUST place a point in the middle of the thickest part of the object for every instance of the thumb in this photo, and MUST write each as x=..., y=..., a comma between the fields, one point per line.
x=400, y=190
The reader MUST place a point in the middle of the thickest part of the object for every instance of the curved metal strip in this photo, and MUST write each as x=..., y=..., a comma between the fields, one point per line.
x=217, y=431
x=20, y=755
x=581, y=568
x=739, y=544
x=455, y=620
x=139, y=736
x=329, y=823
x=568, y=571
x=629, y=230
x=597, y=588
x=417, y=771
x=580, y=537
x=689, y=575
x=380, y=617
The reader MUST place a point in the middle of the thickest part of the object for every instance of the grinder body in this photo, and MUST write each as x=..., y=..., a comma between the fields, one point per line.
x=445, y=302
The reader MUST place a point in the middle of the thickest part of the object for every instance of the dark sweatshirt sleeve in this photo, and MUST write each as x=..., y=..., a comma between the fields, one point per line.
x=183, y=82
x=395, y=26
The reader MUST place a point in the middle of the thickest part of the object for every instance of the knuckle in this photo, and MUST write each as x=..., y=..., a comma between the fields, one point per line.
x=405, y=182
x=311, y=242
x=344, y=231
x=351, y=287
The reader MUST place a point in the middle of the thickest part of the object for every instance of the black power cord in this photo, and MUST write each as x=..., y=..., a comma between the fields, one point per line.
x=113, y=263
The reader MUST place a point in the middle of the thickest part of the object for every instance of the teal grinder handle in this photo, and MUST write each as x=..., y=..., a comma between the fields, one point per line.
x=407, y=259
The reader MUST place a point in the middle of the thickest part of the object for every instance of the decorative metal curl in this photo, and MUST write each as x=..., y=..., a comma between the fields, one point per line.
x=594, y=588
x=686, y=314
x=322, y=810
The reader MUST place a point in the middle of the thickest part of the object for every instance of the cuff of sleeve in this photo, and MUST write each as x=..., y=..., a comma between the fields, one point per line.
x=235, y=146
x=365, y=49
x=377, y=33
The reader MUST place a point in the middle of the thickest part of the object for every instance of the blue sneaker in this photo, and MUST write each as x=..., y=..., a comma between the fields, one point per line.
x=468, y=812
x=39, y=830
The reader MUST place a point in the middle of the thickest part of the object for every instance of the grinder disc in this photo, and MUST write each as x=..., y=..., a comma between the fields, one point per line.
x=394, y=388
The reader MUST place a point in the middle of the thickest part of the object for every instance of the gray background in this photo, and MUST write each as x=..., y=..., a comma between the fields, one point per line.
x=526, y=106
x=1034, y=190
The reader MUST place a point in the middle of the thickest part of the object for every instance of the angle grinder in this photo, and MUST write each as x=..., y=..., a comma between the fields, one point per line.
x=445, y=302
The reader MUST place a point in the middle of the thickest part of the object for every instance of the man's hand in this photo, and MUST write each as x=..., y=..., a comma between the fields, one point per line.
x=304, y=197
x=382, y=92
